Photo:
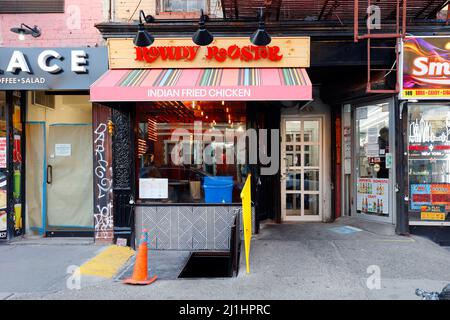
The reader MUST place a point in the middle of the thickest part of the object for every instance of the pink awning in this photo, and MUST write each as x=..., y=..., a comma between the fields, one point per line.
x=261, y=84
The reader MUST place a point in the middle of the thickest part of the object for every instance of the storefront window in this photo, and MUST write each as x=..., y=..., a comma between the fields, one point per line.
x=373, y=159
x=3, y=177
x=184, y=5
x=17, y=163
x=429, y=161
x=191, y=152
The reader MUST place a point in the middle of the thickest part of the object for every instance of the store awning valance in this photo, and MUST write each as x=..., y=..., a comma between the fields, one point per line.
x=249, y=84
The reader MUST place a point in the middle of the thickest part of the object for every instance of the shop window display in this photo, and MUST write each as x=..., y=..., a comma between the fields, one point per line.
x=429, y=161
x=3, y=167
x=17, y=163
x=189, y=152
x=14, y=99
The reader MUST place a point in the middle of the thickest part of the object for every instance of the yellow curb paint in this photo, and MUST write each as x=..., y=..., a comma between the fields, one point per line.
x=108, y=262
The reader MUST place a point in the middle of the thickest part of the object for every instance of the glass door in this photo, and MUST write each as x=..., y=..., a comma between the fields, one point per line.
x=374, y=156
x=69, y=177
x=301, y=173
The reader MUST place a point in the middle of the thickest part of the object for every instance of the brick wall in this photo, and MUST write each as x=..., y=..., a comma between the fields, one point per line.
x=74, y=27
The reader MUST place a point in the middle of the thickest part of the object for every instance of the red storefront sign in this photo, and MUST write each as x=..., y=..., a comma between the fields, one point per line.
x=219, y=54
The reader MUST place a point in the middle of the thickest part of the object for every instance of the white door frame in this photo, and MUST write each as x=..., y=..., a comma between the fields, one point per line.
x=392, y=178
x=302, y=217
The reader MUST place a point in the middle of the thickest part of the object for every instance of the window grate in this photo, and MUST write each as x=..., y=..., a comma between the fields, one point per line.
x=32, y=6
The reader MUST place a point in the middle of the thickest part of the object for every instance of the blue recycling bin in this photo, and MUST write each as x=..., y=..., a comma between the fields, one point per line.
x=218, y=189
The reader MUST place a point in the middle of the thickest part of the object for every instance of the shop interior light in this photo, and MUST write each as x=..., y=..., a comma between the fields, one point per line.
x=202, y=37
x=152, y=128
x=260, y=37
x=143, y=38
x=24, y=29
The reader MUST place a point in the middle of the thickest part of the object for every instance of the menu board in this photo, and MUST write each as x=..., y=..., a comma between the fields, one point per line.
x=373, y=195
x=153, y=188
x=430, y=194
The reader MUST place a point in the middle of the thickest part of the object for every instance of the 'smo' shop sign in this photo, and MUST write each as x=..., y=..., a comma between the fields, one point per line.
x=283, y=52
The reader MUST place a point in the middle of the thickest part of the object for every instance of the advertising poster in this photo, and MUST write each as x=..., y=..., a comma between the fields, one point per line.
x=373, y=195
x=430, y=194
x=433, y=212
x=3, y=152
x=17, y=155
x=3, y=204
x=3, y=224
x=440, y=194
x=420, y=196
x=426, y=65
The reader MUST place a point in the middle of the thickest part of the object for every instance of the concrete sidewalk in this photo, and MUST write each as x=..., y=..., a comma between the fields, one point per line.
x=301, y=261
x=39, y=266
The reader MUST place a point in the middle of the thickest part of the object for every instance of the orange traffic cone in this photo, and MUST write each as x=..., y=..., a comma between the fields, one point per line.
x=140, y=267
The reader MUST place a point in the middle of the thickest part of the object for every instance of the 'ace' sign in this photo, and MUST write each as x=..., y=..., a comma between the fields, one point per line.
x=51, y=68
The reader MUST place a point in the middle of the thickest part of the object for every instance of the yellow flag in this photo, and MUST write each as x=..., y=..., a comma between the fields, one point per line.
x=246, y=196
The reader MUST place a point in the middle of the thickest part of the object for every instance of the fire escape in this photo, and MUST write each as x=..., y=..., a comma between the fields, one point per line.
x=382, y=40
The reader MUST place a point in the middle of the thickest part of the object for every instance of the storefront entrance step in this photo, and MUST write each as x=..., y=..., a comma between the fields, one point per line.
x=379, y=228
x=37, y=240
